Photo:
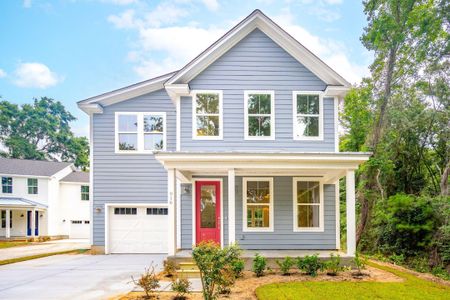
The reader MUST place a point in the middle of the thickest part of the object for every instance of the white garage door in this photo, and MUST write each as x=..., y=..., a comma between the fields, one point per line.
x=79, y=229
x=138, y=230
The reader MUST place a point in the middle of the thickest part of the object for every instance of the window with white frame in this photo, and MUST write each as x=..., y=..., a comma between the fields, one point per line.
x=308, y=205
x=85, y=192
x=3, y=219
x=259, y=115
x=207, y=115
x=32, y=186
x=7, y=185
x=307, y=115
x=140, y=132
x=258, y=204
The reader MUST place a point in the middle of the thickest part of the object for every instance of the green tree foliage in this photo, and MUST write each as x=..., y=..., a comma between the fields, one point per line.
x=41, y=131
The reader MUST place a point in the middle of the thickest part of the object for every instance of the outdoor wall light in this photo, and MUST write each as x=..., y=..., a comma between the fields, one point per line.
x=21, y=215
x=41, y=215
x=187, y=189
x=98, y=210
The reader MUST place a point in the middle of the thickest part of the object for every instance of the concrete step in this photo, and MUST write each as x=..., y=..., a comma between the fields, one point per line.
x=188, y=273
x=187, y=266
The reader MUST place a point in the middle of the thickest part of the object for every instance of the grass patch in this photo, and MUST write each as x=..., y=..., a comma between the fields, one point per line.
x=412, y=288
x=25, y=258
x=4, y=245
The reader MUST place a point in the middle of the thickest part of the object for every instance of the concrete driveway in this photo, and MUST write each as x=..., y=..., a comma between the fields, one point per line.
x=73, y=276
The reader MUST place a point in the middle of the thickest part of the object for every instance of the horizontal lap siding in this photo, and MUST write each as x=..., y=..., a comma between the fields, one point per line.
x=128, y=178
x=257, y=63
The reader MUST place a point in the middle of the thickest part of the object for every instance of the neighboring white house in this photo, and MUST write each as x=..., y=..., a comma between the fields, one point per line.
x=43, y=198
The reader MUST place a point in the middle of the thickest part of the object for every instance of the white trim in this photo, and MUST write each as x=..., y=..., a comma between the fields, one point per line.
x=178, y=123
x=336, y=124
x=296, y=136
x=194, y=114
x=178, y=199
x=26, y=176
x=140, y=132
x=244, y=205
x=350, y=212
x=172, y=209
x=231, y=206
x=272, y=114
x=338, y=215
x=194, y=207
x=295, y=205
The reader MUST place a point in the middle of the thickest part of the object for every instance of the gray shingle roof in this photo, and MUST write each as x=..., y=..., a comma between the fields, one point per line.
x=30, y=167
x=19, y=202
x=77, y=176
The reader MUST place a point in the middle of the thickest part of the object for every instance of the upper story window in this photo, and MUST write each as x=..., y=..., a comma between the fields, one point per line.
x=308, y=205
x=32, y=186
x=308, y=116
x=259, y=115
x=85, y=192
x=207, y=115
x=140, y=132
x=258, y=204
x=7, y=185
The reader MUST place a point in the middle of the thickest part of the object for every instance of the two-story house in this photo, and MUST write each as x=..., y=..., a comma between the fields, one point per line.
x=43, y=198
x=240, y=145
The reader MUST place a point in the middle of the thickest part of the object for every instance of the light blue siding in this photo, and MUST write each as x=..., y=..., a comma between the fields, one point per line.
x=257, y=63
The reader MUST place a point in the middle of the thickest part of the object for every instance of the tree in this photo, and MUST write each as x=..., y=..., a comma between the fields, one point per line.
x=41, y=131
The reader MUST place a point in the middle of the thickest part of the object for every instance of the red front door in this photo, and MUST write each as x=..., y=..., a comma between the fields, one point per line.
x=207, y=211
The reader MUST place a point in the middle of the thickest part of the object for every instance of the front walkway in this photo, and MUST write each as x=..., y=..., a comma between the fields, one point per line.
x=42, y=248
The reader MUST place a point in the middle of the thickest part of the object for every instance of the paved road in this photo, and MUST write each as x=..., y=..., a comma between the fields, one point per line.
x=41, y=248
x=73, y=276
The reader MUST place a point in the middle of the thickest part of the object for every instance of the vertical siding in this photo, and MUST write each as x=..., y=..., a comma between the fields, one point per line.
x=257, y=63
x=128, y=177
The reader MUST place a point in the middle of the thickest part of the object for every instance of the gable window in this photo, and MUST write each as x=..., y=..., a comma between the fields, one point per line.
x=207, y=120
x=32, y=186
x=258, y=204
x=3, y=217
x=308, y=116
x=259, y=115
x=85, y=192
x=308, y=205
x=7, y=185
x=140, y=132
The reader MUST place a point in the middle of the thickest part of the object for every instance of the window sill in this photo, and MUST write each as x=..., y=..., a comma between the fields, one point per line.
x=259, y=138
x=207, y=138
x=315, y=138
x=262, y=230
x=307, y=229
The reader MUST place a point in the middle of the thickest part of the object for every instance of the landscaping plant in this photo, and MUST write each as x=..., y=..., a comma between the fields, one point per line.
x=148, y=281
x=226, y=280
x=181, y=286
x=360, y=263
x=238, y=267
x=285, y=265
x=259, y=265
x=310, y=264
x=333, y=266
x=169, y=268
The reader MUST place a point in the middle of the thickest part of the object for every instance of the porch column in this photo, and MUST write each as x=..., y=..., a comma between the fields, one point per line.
x=231, y=206
x=8, y=221
x=171, y=200
x=33, y=222
x=351, y=219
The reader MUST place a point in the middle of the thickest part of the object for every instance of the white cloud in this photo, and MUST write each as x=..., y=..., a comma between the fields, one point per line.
x=2, y=73
x=212, y=5
x=27, y=3
x=35, y=75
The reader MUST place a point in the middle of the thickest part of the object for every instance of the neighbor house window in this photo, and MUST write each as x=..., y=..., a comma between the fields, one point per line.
x=259, y=115
x=125, y=211
x=140, y=132
x=32, y=186
x=258, y=204
x=207, y=115
x=4, y=219
x=308, y=205
x=84, y=192
x=307, y=115
x=7, y=185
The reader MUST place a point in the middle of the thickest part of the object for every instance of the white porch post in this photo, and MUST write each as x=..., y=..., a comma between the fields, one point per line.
x=231, y=206
x=171, y=200
x=33, y=222
x=8, y=221
x=351, y=219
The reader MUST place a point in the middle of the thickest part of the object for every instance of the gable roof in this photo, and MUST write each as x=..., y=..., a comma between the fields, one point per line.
x=12, y=166
x=77, y=176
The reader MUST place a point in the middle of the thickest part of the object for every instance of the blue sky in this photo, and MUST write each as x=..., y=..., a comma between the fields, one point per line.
x=73, y=49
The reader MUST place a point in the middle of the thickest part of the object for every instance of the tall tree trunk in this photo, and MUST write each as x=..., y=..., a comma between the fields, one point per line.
x=444, y=180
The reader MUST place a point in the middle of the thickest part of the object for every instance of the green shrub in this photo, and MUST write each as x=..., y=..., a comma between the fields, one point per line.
x=148, y=281
x=234, y=258
x=238, y=267
x=360, y=263
x=182, y=287
x=310, y=264
x=259, y=265
x=397, y=259
x=333, y=266
x=285, y=265
x=226, y=280
x=169, y=268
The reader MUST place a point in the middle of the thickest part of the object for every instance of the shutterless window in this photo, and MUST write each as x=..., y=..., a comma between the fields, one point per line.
x=258, y=202
x=128, y=132
x=4, y=219
x=32, y=185
x=125, y=211
x=153, y=132
x=207, y=116
x=307, y=116
x=259, y=119
x=77, y=222
x=85, y=192
x=157, y=211
x=307, y=205
x=7, y=185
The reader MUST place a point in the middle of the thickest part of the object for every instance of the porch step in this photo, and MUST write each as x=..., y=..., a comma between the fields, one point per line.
x=188, y=270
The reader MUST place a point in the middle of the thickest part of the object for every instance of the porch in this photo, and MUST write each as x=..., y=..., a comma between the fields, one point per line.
x=280, y=226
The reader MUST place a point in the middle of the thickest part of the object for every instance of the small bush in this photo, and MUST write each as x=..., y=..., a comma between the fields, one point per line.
x=238, y=267
x=169, y=268
x=182, y=287
x=360, y=263
x=148, y=281
x=227, y=280
x=259, y=265
x=310, y=264
x=397, y=259
x=285, y=265
x=333, y=266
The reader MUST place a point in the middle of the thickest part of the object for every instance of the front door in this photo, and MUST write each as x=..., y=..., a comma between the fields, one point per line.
x=207, y=211
x=36, y=223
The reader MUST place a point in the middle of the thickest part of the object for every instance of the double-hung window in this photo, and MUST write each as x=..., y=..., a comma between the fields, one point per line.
x=32, y=186
x=308, y=115
x=258, y=204
x=140, y=132
x=7, y=185
x=207, y=115
x=85, y=192
x=308, y=204
x=259, y=115
x=3, y=219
